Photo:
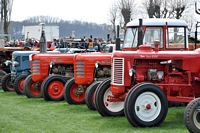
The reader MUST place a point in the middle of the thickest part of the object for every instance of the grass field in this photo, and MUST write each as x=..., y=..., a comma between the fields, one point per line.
x=18, y=114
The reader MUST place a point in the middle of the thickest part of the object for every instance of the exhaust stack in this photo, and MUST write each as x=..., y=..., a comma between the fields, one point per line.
x=140, y=33
x=117, y=39
x=43, y=43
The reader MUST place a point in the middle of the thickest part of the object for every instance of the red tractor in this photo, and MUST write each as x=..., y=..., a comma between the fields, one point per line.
x=87, y=78
x=41, y=67
x=154, y=29
x=84, y=74
x=143, y=81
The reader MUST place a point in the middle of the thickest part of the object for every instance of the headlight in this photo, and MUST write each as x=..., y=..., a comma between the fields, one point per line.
x=97, y=64
x=15, y=64
x=131, y=72
x=51, y=64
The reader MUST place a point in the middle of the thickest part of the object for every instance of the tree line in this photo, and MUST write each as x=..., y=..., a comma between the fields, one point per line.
x=80, y=28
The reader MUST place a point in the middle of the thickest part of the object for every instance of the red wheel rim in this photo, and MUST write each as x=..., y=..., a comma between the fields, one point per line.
x=8, y=86
x=56, y=89
x=20, y=85
x=33, y=91
x=75, y=97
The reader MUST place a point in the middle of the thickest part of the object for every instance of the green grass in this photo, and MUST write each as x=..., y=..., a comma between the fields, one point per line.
x=18, y=114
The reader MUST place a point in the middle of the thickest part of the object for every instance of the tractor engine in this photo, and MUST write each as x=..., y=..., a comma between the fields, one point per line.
x=65, y=70
x=103, y=72
x=149, y=70
x=153, y=74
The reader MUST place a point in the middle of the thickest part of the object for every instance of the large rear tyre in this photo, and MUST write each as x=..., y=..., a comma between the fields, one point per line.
x=192, y=116
x=19, y=84
x=2, y=74
x=53, y=88
x=103, y=106
x=73, y=94
x=32, y=89
x=6, y=83
x=89, y=95
x=146, y=105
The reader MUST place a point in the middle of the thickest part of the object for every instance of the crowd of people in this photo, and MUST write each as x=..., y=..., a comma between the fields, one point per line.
x=14, y=43
x=70, y=42
x=83, y=43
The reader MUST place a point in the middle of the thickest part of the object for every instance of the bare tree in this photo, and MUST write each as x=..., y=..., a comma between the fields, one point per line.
x=178, y=7
x=126, y=8
x=153, y=8
x=166, y=8
x=113, y=13
x=6, y=10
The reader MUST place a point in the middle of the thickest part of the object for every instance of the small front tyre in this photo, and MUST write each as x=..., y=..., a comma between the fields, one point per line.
x=89, y=95
x=53, y=88
x=19, y=84
x=6, y=83
x=32, y=89
x=103, y=106
x=146, y=105
x=73, y=94
x=192, y=116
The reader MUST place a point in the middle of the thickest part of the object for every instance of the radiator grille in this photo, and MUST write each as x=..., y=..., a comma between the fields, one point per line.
x=35, y=66
x=118, y=71
x=80, y=69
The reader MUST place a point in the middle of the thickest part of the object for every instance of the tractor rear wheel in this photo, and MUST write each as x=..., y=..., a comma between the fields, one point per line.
x=32, y=89
x=2, y=74
x=89, y=95
x=192, y=116
x=146, y=105
x=6, y=83
x=19, y=84
x=53, y=88
x=72, y=94
x=103, y=106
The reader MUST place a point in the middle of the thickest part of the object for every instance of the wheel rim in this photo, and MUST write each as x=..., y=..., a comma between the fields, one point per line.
x=112, y=106
x=8, y=85
x=196, y=118
x=20, y=85
x=56, y=89
x=33, y=90
x=75, y=95
x=147, y=106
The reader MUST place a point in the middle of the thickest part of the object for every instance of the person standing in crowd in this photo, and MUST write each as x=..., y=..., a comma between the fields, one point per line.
x=5, y=42
x=62, y=43
x=54, y=43
x=29, y=43
x=16, y=43
x=97, y=44
x=10, y=44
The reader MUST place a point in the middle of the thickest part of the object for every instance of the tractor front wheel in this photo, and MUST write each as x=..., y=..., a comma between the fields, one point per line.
x=53, y=88
x=73, y=94
x=32, y=89
x=192, y=116
x=2, y=74
x=103, y=106
x=146, y=105
x=89, y=95
x=19, y=84
x=6, y=83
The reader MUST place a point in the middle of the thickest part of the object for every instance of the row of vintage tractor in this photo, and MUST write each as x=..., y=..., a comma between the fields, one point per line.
x=154, y=66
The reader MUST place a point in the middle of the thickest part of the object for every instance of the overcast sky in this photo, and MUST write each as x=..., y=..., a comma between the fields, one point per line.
x=83, y=10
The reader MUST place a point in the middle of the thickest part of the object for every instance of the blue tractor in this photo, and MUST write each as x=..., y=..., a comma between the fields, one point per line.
x=20, y=68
